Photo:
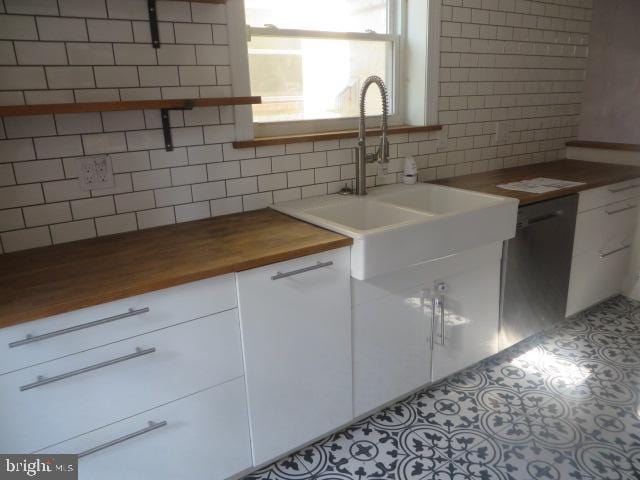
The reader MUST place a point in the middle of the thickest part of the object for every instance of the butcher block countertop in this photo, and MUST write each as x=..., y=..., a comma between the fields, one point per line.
x=52, y=280
x=592, y=174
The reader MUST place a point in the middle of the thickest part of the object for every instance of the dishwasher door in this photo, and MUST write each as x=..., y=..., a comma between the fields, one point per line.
x=536, y=266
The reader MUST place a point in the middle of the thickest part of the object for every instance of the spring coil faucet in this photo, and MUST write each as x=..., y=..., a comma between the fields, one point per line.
x=382, y=153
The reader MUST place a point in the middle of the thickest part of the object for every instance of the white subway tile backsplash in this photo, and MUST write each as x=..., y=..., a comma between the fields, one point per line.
x=156, y=218
x=151, y=179
x=62, y=190
x=110, y=76
x=128, y=9
x=209, y=191
x=226, y=206
x=192, y=33
x=32, y=7
x=22, y=78
x=158, y=76
x=132, y=202
x=114, y=31
x=197, y=75
x=83, y=8
x=40, y=53
x=21, y=195
x=501, y=60
x=116, y=224
x=14, y=27
x=11, y=219
x=204, y=13
x=52, y=147
x=192, y=211
x=134, y=54
x=93, y=207
x=164, y=159
x=48, y=214
x=70, y=77
x=29, y=126
x=177, y=55
x=90, y=53
x=16, y=150
x=24, y=239
x=75, y=123
x=72, y=231
x=62, y=29
x=189, y=175
x=39, y=171
x=6, y=175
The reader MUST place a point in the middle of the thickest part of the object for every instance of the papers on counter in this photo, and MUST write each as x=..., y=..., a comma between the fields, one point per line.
x=539, y=185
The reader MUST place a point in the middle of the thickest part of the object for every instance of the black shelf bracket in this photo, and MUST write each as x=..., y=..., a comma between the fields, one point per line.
x=166, y=124
x=153, y=23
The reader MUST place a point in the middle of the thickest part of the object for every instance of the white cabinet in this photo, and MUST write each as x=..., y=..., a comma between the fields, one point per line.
x=99, y=386
x=204, y=436
x=296, y=330
x=469, y=319
x=397, y=339
x=605, y=228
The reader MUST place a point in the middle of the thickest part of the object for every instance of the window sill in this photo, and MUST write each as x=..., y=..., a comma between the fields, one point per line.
x=318, y=137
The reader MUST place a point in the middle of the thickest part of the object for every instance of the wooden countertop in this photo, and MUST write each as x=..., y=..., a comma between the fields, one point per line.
x=592, y=174
x=51, y=280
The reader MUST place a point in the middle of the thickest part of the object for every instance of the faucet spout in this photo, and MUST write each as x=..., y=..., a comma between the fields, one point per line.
x=382, y=153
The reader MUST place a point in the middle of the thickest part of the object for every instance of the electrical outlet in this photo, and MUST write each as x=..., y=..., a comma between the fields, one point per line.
x=96, y=172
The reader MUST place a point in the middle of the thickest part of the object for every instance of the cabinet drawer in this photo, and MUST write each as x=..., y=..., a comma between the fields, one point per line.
x=603, y=229
x=609, y=194
x=170, y=364
x=73, y=332
x=206, y=436
x=595, y=277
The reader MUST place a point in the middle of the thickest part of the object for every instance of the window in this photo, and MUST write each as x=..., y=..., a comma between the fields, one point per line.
x=309, y=58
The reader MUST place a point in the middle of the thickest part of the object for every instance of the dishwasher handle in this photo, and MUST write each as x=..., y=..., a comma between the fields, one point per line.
x=540, y=219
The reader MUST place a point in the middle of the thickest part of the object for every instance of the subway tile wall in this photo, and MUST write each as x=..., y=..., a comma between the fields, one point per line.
x=511, y=82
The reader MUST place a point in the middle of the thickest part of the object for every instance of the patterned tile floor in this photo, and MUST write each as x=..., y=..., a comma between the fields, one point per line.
x=565, y=404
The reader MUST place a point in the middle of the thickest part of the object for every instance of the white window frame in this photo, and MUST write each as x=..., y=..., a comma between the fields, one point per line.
x=409, y=81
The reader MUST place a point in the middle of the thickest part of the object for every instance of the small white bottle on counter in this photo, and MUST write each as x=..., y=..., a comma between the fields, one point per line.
x=410, y=175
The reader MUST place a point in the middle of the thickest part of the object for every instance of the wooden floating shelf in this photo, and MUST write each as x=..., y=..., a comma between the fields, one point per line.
x=179, y=104
x=338, y=135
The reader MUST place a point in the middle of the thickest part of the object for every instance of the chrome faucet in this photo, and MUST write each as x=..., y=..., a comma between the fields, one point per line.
x=382, y=153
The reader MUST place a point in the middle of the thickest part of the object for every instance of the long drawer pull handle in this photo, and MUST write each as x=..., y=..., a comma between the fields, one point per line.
x=622, y=189
x=604, y=255
x=45, y=381
x=620, y=210
x=152, y=426
x=64, y=331
x=318, y=265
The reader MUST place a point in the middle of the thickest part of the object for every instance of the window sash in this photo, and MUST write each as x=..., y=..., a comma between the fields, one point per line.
x=394, y=73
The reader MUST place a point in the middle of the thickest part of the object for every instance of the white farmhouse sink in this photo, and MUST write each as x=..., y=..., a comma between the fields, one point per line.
x=396, y=226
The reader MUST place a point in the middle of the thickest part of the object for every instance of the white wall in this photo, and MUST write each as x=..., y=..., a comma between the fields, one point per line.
x=611, y=111
x=517, y=62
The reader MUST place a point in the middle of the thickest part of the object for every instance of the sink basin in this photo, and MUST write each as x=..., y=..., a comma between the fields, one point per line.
x=397, y=226
x=361, y=215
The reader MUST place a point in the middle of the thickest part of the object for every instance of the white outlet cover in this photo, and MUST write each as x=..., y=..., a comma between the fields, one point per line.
x=95, y=172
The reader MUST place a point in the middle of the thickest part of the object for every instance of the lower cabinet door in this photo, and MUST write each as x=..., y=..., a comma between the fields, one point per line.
x=392, y=348
x=204, y=436
x=296, y=331
x=467, y=312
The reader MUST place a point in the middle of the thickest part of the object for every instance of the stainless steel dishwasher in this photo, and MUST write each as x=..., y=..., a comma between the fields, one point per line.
x=536, y=265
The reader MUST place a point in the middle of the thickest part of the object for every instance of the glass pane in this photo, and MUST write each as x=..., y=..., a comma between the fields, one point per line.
x=327, y=15
x=303, y=79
